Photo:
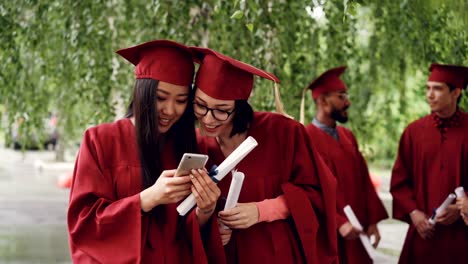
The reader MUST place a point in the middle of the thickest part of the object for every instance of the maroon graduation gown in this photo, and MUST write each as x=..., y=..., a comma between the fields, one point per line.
x=354, y=187
x=429, y=166
x=105, y=221
x=282, y=163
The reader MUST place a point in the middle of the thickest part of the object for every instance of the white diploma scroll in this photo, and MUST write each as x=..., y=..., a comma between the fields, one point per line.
x=364, y=239
x=442, y=207
x=460, y=192
x=222, y=170
x=234, y=191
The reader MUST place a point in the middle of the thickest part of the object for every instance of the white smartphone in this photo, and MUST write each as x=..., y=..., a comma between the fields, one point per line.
x=191, y=161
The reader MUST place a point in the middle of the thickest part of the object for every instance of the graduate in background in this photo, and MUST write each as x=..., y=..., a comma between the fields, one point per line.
x=286, y=207
x=339, y=148
x=432, y=161
x=122, y=200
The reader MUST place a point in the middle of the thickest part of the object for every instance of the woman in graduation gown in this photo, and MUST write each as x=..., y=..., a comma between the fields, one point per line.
x=286, y=208
x=122, y=202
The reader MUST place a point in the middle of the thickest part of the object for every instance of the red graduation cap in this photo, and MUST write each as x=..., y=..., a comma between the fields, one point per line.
x=162, y=60
x=329, y=81
x=451, y=74
x=225, y=78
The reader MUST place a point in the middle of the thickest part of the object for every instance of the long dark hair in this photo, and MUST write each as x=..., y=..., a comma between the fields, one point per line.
x=243, y=117
x=143, y=108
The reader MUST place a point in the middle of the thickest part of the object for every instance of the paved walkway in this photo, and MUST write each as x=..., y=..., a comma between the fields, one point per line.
x=32, y=211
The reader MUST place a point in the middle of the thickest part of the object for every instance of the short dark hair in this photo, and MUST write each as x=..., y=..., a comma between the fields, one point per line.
x=453, y=87
x=243, y=117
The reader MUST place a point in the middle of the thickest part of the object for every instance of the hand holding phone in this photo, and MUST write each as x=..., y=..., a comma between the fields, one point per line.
x=191, y=161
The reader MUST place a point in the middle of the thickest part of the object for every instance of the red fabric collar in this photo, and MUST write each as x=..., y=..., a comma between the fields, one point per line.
x=444, y=123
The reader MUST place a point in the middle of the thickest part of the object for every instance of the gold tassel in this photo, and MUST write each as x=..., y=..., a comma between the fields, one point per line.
x=278, y=103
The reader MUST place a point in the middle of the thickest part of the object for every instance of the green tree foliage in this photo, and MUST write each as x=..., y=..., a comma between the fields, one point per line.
x=59, y=55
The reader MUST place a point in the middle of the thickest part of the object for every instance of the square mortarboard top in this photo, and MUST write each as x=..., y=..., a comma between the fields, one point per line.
x=162, y=60
x=225, y=78
x=328, y=81
x=451, y=74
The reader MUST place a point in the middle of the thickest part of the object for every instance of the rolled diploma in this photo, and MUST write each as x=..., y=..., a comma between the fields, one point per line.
x=442, y=207
x=234, y=191
x=364, y=239
x=460, y=192
x=223, y=169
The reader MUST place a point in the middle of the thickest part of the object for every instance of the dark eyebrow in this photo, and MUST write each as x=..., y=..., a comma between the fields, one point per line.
x=198, y=98
x=438, y=86
x=203, y=101
x=166, y=93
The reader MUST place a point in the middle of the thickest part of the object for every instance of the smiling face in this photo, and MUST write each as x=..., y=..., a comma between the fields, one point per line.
x=172, y=101
x=440, y=99
x=215, y=116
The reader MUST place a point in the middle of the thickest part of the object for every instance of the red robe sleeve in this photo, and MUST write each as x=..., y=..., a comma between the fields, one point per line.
x=375, y=208
x=340, y=204
x=311, y=199
x=211, y=250
x=401, y=185
x=100, y=226
x=340, y=217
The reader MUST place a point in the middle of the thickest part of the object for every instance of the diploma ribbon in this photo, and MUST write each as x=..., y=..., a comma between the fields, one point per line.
x=213, y=172
x=434, y=213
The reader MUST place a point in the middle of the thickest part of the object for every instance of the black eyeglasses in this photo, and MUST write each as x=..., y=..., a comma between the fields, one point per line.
x=218, y=114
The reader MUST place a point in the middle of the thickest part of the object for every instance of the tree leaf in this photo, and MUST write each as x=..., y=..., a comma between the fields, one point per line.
x=250, y=27
x=237, y=15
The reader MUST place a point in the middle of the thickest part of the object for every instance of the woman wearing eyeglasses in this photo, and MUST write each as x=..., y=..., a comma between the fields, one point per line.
x=287, y=193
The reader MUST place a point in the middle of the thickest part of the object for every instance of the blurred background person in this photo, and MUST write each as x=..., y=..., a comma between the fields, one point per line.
x=431, y=163
x=339, y=148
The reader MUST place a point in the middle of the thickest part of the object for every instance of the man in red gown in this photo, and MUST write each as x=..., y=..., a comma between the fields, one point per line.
x=432, y=161
x=338, y=147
